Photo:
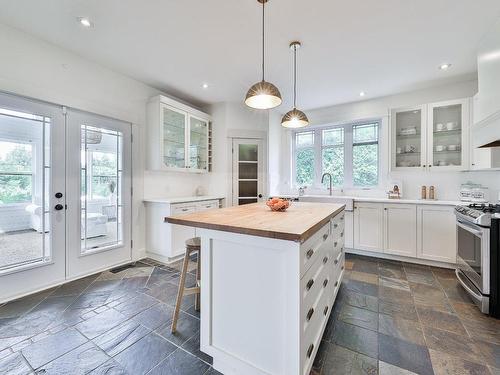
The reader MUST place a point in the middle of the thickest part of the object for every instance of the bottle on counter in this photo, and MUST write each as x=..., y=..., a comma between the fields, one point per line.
x=423, y=194
x=432, y=192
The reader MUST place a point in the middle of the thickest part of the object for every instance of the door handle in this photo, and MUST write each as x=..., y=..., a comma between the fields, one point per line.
x=59, y=207
x=260, y=195
x=59, y=195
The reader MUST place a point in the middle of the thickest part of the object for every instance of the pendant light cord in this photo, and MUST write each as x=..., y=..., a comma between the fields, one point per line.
x=294, y=76
x=263, y=39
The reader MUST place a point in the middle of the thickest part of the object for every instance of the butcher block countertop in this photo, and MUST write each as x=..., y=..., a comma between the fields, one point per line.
x=299, y=222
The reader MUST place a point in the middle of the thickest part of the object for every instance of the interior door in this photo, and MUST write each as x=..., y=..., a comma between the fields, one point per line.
x=32, y=196
x=248, y=184
x=99, y=193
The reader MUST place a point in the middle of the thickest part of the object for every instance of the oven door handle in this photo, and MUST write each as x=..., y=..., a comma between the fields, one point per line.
x=468, y=228
x=478, y=297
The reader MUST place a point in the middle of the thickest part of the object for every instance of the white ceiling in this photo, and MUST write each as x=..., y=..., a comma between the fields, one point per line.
x=378, y=46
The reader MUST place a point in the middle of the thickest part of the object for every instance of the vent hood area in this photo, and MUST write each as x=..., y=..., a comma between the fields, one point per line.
x=486, y=128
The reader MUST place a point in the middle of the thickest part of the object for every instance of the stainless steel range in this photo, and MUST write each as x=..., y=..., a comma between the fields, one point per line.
x=478, y=261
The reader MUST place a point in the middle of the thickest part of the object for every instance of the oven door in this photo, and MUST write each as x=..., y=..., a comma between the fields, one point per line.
x=473, y=247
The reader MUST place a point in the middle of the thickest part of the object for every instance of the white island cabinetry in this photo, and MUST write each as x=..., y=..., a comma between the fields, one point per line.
x=269, y=282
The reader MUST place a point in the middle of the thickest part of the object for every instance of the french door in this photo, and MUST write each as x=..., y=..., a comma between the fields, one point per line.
x=64, y=195
x=247, y=171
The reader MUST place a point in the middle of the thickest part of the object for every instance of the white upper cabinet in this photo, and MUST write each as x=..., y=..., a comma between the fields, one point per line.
x=431, y=137
x=179, y=137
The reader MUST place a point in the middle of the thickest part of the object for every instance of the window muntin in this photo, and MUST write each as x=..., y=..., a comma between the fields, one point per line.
x=350, y=153
x=304, y=158
x=16, y=174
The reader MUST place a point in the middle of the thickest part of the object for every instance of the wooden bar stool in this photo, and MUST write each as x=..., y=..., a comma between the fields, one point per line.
x=192, y=246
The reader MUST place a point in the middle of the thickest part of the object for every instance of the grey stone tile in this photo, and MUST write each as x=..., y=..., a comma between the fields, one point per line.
x=483, y=329
x=368, y=265
x=187, y=327
x=160, y=277
x=152, y=349
x=75, y=287
x=490, y=352
x=361, y=287
x=91, y=300
x=339, y=360
x=14, y=364
x=420, y=276
x=358, y=300
x=355, y=338
x=395, y=295
x=193, y=346
x=404, y=354
x=180, y=363
x=403, y=329
x=101, y=323
x=121, y=337
x=110, y=367
x=27, y=325
x=392, y=271
x=445, y=364
x=10, y=341
x=166, y=293
x=135, y=305
x=103, y=286
x=52, y=347
x=79, y=361
x=365, y=277
x=359, y=317
x=21, y=306
x=389, y=282
x=155, y=316
x=388, y=369
x=212, y=371
x=54, y=306
x=5, y=353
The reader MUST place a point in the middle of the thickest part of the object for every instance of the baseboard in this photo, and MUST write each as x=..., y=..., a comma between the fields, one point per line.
x=138, y=254
x=163, y=259
x=424, y=262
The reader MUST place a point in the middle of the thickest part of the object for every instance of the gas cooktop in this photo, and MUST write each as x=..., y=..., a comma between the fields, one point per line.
x=479, y=213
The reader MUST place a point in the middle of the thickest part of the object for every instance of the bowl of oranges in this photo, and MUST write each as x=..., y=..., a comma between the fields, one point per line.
x=278, y=204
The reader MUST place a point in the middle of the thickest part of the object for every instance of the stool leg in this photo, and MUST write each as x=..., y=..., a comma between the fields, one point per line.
x=180, y=292
x=198, y=278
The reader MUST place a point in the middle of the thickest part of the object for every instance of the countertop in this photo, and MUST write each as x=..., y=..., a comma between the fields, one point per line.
x=379, y=199
x=299, y=222
x=183, y=199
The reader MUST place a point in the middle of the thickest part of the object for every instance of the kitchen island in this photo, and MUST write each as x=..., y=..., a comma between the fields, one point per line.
x=268, y=284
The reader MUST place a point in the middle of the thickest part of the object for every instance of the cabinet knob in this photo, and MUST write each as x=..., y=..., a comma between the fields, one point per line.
x=325, y=311
x=335, y=225
x=342, y=234
x=342, y=218
x=310, y=350
x=335, y=244
x=309, y=284
x=309, y=253
x=335, y=261
x=325, y=283
x=325, y=236
x=310, y=314
x=325, y=259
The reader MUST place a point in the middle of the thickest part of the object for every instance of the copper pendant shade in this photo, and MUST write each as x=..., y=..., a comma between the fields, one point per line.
x=263, y=94
x=294, y=118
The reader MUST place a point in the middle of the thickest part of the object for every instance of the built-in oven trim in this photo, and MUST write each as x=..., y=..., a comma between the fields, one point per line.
x=484, y=234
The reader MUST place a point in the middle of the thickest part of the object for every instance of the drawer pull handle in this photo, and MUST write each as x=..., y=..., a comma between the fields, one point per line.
x=310, y=350
x=325, y=236
x=342, y=268
x=325, y=259
x=309, y=284
x=335, y=244
x=342, y=249
x=310, y=314
x=325, y=283
x=310, y=253
x=342, y=218
x=335, y=225
x=336, y=283
x=342, y=234
x=184, y=209
x=325, y=310
x=335, y=261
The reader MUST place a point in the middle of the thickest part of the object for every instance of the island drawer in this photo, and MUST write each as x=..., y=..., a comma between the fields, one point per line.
x=310, y=250
x=207, y=205
x=183, y=208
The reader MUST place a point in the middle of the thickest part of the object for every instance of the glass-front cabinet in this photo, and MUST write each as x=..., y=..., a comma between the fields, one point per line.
x=179, y=137
x=430, y=137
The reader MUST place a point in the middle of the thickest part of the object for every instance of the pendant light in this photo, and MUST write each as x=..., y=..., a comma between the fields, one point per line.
x=263, y=95
x=294, y=118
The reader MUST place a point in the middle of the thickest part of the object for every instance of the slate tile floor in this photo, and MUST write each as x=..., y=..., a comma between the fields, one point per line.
x=390, y=318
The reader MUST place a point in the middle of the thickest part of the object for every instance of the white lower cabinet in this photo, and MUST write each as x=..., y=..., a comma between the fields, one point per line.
x=421, y=231
x=400, y=232
x=436, y=233
x=368, y=226
x=349, y=229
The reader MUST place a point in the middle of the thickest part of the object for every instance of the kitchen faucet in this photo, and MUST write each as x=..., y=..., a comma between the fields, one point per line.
x=323, y=178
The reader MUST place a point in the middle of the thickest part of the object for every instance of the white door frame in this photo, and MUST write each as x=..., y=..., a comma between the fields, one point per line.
x=42, y=275
x=79, y=264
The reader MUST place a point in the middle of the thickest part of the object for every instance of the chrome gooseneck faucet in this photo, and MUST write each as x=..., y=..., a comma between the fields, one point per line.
x=323, y=178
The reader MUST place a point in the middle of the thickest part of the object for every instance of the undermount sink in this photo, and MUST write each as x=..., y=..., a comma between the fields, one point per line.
x=349, y=202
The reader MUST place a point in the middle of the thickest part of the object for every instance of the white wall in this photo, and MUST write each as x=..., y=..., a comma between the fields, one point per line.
x=37, y=69
x=447, y=183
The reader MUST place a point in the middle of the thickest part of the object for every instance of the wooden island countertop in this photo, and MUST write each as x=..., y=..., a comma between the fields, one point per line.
x=299, y=222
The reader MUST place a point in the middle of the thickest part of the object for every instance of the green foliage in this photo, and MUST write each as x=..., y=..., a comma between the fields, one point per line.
x=304, y=164
x=333, y=163
x=16, y=188
x=365, y=165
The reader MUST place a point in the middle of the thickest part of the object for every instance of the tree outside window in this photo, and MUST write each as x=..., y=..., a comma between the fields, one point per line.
x=16, y=173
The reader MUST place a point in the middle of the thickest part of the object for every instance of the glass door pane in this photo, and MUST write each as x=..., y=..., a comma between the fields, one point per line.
x=447, y=135
x=198, y=143
x=174, y=138
x=101, y=178
x=408, y=139
x=25, y=183
x=247, y=172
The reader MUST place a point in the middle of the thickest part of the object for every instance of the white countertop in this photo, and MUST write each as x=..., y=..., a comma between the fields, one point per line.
x=183, y=199
x=381, y=199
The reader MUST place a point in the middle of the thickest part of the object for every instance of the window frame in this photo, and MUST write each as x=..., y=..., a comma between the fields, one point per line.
x=30, y=174
x=348, y=153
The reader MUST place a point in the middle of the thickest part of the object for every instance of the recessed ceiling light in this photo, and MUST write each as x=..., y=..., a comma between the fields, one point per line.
x=205, y=85
x=85, y=22
x=362, y=93
x=444, y=66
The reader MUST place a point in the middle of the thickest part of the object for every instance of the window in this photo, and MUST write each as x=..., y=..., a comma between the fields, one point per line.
x=349, y=153
x=16, y=173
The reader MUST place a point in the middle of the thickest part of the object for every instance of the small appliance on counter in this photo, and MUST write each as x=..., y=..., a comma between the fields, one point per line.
x=478, y=254
x=471, y=192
